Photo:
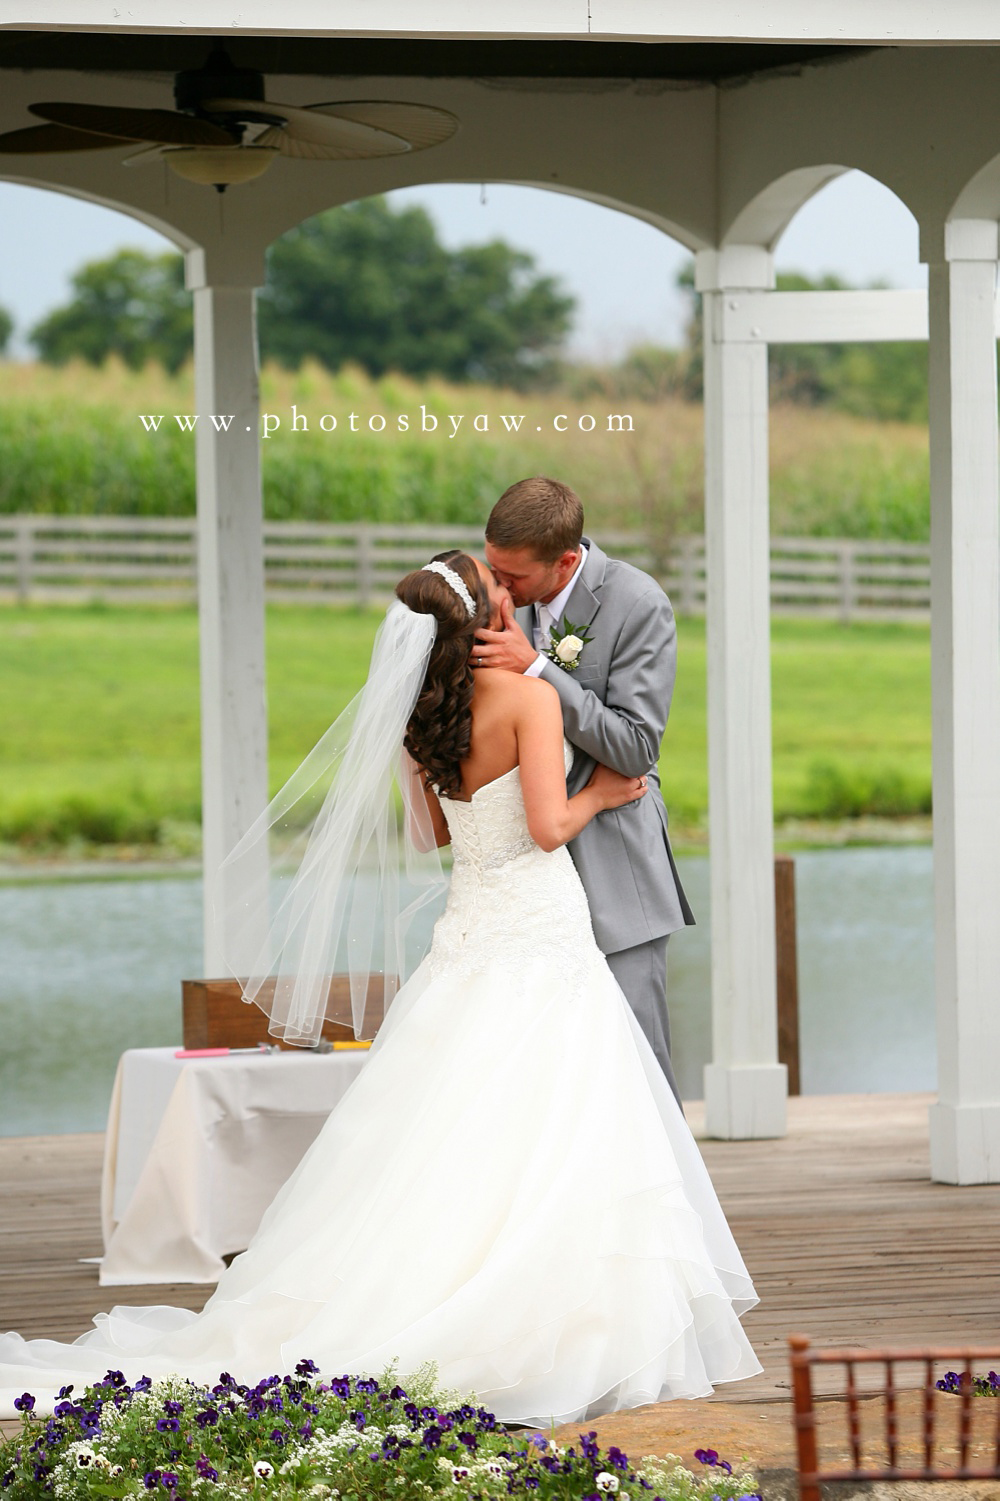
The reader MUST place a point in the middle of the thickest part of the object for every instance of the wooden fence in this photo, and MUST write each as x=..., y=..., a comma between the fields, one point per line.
x=141, y=559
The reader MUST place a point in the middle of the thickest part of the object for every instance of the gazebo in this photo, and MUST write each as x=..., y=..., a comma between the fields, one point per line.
x=715, y=123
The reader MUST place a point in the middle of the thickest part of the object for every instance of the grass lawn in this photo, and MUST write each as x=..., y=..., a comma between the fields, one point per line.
x=100, y=707
x=851, y=720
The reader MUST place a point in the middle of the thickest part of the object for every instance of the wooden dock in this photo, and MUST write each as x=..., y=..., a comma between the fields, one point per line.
x=846, y=1237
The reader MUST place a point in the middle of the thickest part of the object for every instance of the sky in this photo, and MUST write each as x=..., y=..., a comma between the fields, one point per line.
x=621, y=270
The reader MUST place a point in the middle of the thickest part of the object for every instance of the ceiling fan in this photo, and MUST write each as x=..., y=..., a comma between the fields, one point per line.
x=225, y=131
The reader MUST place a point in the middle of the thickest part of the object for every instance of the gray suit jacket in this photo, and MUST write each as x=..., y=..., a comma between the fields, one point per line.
x=615, y=708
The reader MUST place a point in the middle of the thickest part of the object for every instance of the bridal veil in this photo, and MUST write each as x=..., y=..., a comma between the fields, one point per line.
x=353, y=818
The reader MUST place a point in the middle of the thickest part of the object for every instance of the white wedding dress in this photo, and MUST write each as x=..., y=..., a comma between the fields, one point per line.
x=509, y=1188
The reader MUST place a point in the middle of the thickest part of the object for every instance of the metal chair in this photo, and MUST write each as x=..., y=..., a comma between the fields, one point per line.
x=803, y=1358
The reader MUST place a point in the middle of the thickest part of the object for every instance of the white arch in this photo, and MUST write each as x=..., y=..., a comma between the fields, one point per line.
x=670, y=227
x=163, y=227
x=980, y=197
x=765, y=217
x=301, y=210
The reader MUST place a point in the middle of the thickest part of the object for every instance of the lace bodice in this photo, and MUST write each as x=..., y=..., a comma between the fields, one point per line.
x=491, y=828
x=509, y=900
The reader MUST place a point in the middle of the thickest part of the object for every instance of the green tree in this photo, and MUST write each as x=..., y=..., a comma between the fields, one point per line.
x=131, y=304
x=368, y=284
x=6, y=329
x=360, y=283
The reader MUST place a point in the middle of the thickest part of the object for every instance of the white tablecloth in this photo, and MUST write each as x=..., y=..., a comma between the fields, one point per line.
x=197, y=1148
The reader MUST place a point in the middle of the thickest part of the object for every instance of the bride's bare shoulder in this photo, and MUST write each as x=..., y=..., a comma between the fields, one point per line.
x=516, y=689
x=521, y=701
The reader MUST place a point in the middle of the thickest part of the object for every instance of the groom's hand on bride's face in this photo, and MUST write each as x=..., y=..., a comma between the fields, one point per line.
x=508, y=648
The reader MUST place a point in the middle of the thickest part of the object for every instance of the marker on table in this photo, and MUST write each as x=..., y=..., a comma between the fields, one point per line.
x=262, y=1047
x=361, y=1044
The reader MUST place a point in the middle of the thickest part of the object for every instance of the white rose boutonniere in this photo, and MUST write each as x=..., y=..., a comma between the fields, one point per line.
x=566, y=646
x=568, y=650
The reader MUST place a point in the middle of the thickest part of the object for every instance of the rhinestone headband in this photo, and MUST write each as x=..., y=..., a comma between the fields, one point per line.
x=452, y=579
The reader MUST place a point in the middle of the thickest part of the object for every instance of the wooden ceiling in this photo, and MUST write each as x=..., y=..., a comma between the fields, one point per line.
x=151, y=54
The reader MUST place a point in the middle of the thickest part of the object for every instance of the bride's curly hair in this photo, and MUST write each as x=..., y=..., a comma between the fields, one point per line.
x=439, y=733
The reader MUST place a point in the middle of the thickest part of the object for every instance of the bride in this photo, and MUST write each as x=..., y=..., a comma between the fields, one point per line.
x=509, y=1188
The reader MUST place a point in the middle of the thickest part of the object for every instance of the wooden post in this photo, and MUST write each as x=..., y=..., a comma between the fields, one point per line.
x=965, y=677
x=745, y=1085
x=230, y=579
x=845, y=551
x=25, y=535
x=689, y=582
x=365, y=561
x=786, y=943
x=804, y=1417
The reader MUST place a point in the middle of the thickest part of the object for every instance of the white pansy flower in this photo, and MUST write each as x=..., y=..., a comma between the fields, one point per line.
x=459, y=1473
x=263, y=1470
x=85, y=1457
x=569, y=648
x=606, y=1481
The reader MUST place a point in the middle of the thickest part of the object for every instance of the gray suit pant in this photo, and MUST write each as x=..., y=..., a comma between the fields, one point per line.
x=642, y=974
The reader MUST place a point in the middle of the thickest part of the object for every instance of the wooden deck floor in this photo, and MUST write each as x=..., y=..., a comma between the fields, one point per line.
x=843, y=1232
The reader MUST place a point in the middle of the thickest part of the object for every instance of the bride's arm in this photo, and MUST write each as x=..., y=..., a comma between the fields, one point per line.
x=553, y=818
x=425, y=821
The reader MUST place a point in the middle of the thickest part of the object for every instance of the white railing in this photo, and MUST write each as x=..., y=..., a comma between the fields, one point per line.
x=137, y=559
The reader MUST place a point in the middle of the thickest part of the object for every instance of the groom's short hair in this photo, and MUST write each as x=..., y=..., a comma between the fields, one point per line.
x=540, y=513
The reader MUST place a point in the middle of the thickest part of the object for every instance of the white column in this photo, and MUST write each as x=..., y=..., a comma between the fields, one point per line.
x=745, y=1086
x=230, y=572
x=965, y=669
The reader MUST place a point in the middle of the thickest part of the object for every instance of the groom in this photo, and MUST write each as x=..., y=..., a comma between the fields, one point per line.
x=615, y=706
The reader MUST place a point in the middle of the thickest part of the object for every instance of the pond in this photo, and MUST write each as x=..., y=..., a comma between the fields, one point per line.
x=93, y=967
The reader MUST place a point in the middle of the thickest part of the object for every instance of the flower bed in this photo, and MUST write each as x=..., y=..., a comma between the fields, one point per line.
x=982, y=1386
x=354, y=1439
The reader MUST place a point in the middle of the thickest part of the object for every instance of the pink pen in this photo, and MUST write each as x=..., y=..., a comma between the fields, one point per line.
x=261, y=1047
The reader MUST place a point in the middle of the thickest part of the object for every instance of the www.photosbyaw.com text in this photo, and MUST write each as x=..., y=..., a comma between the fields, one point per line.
x=448, y=424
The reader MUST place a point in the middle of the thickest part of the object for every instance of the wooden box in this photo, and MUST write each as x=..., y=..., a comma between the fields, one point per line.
x=216, y=1015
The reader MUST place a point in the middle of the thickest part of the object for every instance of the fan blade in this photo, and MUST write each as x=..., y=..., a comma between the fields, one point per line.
x=305, y=151
x=39, y=139
x=343, y=138
x=423, y=125
x=163, y=126
x=247, y=111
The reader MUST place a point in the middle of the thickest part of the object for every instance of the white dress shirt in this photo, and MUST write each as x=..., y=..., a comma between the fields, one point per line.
x=548, y=615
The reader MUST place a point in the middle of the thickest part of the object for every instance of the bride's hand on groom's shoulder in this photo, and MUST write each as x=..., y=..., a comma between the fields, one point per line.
x=614, y=789
x=509, y=648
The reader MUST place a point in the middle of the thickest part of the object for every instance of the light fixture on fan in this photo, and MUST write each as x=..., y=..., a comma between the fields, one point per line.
x=219, y=166
x=224, y=131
